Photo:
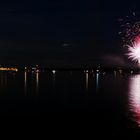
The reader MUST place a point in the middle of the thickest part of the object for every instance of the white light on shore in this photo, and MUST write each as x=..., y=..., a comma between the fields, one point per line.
x=53, y=71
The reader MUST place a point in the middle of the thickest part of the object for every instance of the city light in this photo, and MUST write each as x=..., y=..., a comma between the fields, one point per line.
x=8, y=69
x=87, y=80
x=97, y=70
x=53, y=71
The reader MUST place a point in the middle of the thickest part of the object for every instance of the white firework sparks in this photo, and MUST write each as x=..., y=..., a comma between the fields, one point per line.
x=130, y=32
x=134, y=51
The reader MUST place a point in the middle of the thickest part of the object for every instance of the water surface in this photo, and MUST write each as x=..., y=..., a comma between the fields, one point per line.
x=113, y=98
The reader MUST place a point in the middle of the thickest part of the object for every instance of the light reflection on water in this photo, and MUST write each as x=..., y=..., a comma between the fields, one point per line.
x=87, y=80
x=27, y=77
x=134, y=97
x=37, y=82
x=31, y=80
x=65, y=82
x=25, y=82
x=97, y=82
x=53, y=78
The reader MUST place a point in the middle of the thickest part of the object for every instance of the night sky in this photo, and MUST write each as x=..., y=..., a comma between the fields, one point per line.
x=62, y=32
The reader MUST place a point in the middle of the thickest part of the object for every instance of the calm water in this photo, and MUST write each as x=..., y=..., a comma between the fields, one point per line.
x=114, y=99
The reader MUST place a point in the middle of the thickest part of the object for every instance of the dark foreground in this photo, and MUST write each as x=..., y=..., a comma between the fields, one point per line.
x=109, y=103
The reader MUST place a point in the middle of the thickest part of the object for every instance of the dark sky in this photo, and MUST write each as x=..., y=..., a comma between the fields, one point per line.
x=62, y=31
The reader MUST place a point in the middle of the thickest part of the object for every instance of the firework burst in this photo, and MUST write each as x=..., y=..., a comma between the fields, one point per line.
x=131, y=36
x=134, y=50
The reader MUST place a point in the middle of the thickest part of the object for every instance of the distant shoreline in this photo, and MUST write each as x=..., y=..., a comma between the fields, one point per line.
x=98, y=69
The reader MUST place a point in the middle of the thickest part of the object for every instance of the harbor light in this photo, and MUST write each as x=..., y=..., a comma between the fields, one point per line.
x=132, y=72
x=97, y=70
x=53, y=71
